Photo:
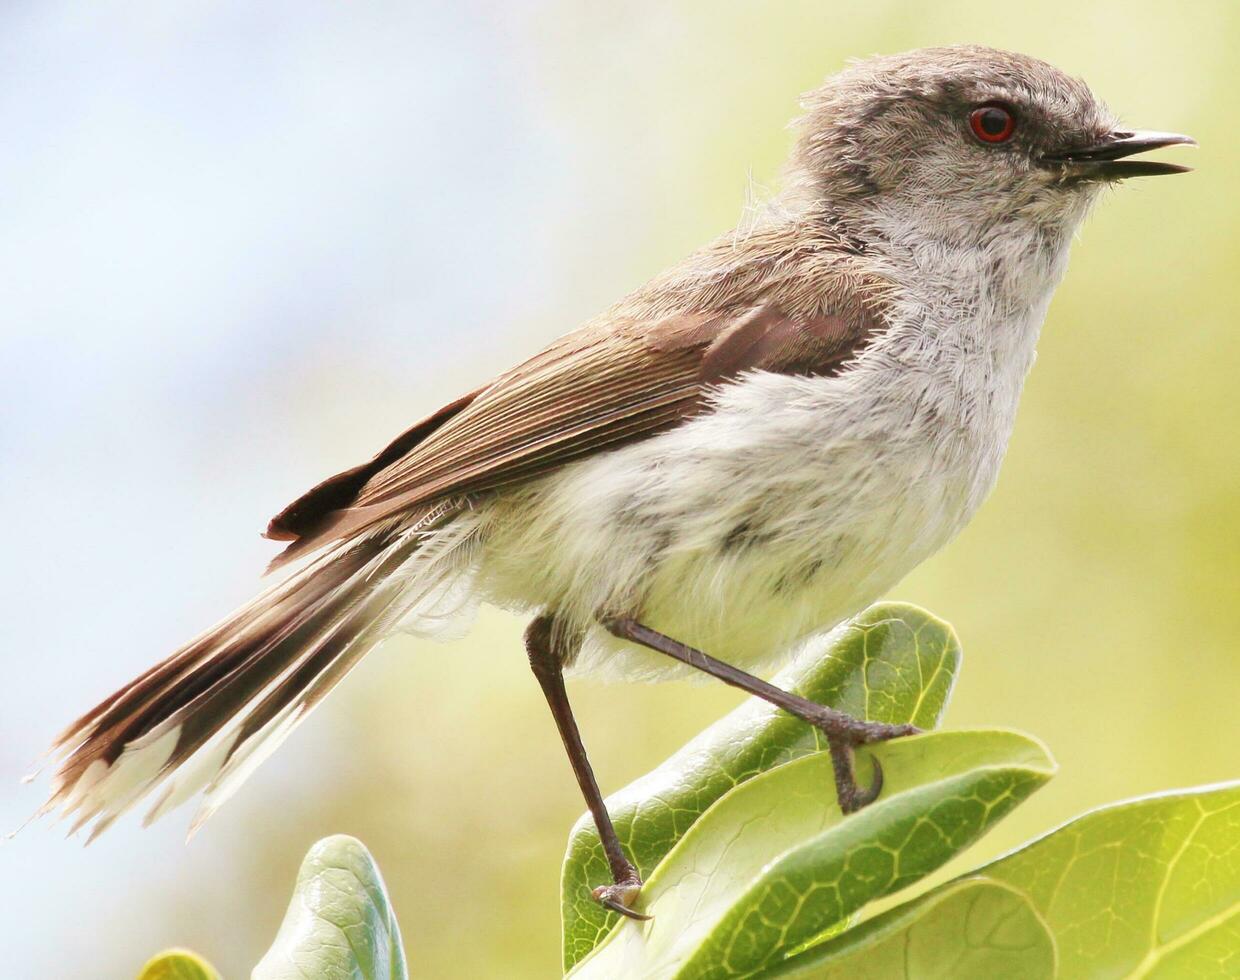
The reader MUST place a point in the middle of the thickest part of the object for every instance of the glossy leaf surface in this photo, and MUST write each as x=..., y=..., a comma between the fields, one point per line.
x=339, y=924
x=774, y=864
x=1148, y=888
x=893, y=663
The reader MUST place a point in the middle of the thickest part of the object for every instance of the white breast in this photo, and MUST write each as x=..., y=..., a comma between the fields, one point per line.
x=794, y=504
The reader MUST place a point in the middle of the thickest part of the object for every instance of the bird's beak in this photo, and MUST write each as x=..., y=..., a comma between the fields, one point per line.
x=1104, y=160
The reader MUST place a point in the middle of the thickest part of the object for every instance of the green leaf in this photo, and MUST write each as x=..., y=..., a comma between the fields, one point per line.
x=773, y=864
x=178, y=964
x=969, y=930
x=1145, y=887
x=340, y=924
x=894, y=663
x=1149, y=888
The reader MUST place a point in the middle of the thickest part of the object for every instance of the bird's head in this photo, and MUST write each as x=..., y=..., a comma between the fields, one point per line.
x=960, y=140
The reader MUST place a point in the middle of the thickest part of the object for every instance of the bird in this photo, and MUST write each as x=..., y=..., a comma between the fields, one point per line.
x=734, y=458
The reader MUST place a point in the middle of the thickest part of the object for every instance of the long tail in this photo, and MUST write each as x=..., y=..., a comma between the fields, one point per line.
x=220, y=705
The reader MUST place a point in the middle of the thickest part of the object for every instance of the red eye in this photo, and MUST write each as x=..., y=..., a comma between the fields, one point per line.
x=992, y=123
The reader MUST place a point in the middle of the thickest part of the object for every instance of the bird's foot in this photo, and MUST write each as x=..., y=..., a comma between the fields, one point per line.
x=621, y=896
x=850, y=795
x=844, y=733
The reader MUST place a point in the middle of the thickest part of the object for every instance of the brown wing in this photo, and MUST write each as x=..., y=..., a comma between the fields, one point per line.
x=593, y=390
x=339, y=491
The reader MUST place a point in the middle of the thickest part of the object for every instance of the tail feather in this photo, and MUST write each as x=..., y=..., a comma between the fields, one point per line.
x=203, y=657
x=215, y=709
x=269, y=719
x=297, y=641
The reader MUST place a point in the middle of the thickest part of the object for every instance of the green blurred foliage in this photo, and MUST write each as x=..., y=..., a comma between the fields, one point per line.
x=1095, y=593
x=177, y=964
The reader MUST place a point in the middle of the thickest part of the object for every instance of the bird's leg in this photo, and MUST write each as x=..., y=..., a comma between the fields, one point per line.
x=548, y=667
x=843, y=732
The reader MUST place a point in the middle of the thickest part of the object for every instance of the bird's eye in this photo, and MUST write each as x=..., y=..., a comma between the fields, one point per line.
x=992, y=123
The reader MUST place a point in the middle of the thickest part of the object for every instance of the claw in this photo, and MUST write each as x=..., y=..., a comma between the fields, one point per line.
x=616, y=897
x=864, y=797
x=852, y=797
x=611, y=903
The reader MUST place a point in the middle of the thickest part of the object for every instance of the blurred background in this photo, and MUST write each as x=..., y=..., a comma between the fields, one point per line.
x=242, y=245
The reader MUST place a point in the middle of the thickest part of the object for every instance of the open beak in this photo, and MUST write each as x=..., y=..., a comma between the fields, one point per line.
x=1105, y=160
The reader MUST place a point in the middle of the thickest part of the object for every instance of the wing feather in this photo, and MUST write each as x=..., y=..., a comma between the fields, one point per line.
x=613, y=382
